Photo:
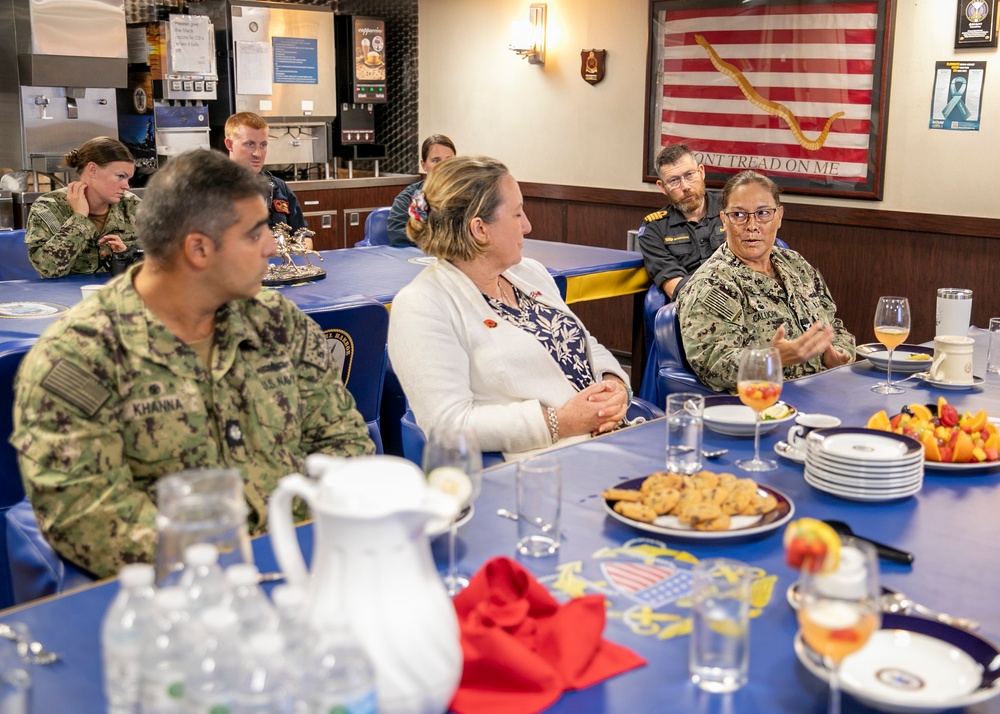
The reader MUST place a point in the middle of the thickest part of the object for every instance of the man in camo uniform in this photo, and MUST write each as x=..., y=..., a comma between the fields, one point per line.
x=750, y=293
x=180, y=363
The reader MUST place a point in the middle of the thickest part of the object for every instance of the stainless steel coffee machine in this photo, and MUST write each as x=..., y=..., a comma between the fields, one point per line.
x=67, y=57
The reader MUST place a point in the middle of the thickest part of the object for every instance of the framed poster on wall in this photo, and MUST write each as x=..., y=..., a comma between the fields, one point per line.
x=795, y=89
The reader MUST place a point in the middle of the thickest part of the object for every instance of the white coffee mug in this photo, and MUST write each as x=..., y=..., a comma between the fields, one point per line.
x=952, y=359
x=804, y=423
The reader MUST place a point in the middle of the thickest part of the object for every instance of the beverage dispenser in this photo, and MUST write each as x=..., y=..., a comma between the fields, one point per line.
x=172, y=76
x=361, y=84
x=278, y=63
x=62, y=61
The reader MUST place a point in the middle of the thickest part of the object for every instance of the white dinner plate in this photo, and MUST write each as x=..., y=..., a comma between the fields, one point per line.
x=726, y=414
x=870, y=470
x=860, y=444
x=878, y=356
x=866, y=485
x=914, y=666
x=438, y=526
x=741, y=527
x=855, y=494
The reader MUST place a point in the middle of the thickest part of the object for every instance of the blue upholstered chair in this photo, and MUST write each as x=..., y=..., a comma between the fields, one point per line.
x=674, y=374
x=376, y=232
x=651, y=304
x=14, y=263
x=36, y=569
x=356, y=330
x=414, y=439
x=11, y=488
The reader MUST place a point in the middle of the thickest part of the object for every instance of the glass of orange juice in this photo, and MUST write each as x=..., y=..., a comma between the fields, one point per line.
x=758, y=383
x=841, y=609
x=892, y=327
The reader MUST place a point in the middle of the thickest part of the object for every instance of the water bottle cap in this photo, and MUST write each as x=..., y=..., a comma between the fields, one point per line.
x=201, y=554
x=136, y=575
x=243, y=574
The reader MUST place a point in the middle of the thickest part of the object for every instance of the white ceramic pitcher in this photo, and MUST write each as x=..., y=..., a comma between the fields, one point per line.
x=372, y=571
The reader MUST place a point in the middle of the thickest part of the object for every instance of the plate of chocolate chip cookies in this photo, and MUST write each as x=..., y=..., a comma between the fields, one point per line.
x=702, y=506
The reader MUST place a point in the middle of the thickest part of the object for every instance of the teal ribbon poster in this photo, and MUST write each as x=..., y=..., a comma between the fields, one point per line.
x=958, y=94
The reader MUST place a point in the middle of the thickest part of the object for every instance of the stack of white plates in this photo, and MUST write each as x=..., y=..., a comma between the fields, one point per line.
x=864, y=464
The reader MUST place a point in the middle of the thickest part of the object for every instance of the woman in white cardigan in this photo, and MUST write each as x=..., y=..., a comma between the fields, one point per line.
x=482, y=338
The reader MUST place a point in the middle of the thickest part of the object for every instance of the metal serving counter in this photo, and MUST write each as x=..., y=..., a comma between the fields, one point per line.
x=363, y=182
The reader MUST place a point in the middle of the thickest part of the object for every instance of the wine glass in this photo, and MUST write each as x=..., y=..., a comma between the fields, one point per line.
x=841, y=610
x=892, y=327
x=759, y=386
x=453, y=463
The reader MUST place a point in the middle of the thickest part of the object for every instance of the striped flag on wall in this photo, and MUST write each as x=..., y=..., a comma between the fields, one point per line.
x=783, y=89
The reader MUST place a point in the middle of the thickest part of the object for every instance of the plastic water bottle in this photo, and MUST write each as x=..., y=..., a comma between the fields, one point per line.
x=248, y=601
x=215, y=674
x=122, y=635
x=203, y=579
x=289, y=601
x=262, y=689
x=166, y=650
x=340, y=676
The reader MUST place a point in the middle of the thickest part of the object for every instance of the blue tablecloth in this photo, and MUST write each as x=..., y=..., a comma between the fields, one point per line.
x=951, y=527
x=377, y=271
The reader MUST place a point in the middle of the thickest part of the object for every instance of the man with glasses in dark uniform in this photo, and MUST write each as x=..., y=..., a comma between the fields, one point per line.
x=675, y=241
x=246, y=141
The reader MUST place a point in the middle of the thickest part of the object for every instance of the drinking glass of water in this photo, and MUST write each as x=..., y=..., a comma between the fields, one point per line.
x=684, y=432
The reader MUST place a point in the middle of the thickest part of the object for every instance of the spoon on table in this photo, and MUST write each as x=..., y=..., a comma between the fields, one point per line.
x=886, y=552
x=706, y=453
x=28, y=649
x=895, y=601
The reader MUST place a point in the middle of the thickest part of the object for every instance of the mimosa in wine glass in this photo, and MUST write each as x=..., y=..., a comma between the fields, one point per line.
x=840, y=609
x=892, y=327
x=759, y=386
x=453, y=463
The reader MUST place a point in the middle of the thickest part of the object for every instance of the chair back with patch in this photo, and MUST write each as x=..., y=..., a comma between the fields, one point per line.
x=356, y=330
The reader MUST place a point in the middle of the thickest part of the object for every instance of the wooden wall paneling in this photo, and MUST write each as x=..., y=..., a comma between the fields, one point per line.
x=600, y=225
x=547, y=218
x=860, y=264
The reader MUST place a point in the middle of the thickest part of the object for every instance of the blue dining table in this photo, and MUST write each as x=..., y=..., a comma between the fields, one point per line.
x=950, y=526
x=586, y=273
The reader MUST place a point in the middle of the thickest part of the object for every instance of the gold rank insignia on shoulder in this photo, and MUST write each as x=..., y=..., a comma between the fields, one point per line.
x=655, y=216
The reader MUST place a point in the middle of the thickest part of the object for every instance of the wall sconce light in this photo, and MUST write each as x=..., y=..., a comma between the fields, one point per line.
x=528, y=36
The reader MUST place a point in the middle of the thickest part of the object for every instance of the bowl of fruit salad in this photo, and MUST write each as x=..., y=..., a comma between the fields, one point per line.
x=951, y=439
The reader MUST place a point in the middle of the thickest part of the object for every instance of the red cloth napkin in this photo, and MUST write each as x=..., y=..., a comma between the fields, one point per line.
x=523, y=649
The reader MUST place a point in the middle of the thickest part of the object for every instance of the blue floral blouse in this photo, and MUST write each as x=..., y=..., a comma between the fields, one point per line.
x=557, y=332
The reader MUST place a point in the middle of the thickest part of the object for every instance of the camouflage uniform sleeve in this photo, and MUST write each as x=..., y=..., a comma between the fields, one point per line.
x=331, y=423
x=712, y=331
x=56, y=235
x=126, y=231
x=69, y=443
